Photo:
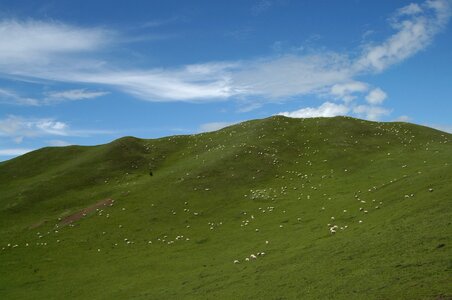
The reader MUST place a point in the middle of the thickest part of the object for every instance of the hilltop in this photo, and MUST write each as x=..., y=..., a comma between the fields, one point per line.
x=331, y=208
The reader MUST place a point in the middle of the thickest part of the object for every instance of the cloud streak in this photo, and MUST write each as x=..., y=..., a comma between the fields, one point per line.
x=10, y=97
x=37, y=43
x=53, y=51
x=14, y=151
x=18, y=127
x=213, y=126
x=72, y=95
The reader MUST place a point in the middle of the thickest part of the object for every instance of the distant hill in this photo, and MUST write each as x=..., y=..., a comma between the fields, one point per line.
x=278, y=208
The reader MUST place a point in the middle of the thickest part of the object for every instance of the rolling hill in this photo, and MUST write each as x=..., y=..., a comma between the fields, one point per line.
x=278, y=208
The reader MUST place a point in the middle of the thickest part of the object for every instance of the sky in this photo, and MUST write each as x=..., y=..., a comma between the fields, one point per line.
x=88, y=72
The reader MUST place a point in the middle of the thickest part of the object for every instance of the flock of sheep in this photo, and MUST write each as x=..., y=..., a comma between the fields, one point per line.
x=299, y=184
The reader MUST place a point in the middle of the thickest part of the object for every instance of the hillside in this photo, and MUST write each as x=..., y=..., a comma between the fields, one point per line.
x=276, y=186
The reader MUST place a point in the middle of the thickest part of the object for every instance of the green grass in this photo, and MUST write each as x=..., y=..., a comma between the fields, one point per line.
x=401, y=250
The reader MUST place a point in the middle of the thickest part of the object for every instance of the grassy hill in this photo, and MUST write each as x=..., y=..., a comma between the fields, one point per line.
x=274, y=186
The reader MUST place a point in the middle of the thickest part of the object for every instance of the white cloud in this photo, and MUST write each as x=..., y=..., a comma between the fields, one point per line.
x=61, y=52
x=15, y=126
x=213, y=126
x=18, y=139
x=191, y=83
x=72, y=95
x=402, y=119
x=376, y=96
x=10, y=97
x=345, y=91
x=371, y=112
x=410, y=9
x=415, y=32
x=14, y=151
x=244, y=108
x=58, y=143
x=39, y=43
x=445, y=128
x=291, y=75
x=327, y=109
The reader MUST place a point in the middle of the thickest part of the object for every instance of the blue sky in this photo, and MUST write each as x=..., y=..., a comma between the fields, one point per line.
x=87, y=72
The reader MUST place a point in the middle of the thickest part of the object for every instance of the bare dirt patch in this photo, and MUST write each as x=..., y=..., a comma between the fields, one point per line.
x=84, y=212
x=36, y=225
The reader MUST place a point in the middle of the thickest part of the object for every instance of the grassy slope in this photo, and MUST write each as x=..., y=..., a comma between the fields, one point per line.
x=296, y=166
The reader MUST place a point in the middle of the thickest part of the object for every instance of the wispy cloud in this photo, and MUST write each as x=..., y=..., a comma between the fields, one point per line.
x=410, y=9
x=247, y=107
x=14, y=151
x=371, y=112
x=34, y=49
x=10, y=97
x=376, y=96
x=35, y=43
x=58, y=143
x=17, y=126
x=327, y=109
x=261, y=6
x=20, y=127
x=445, y=128
x=213, y=126
x=346, y=91
x=72, y=95
x=415, y=26
x=402, y=118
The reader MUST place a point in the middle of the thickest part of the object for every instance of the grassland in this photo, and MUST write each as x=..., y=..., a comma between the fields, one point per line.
x=270, y=185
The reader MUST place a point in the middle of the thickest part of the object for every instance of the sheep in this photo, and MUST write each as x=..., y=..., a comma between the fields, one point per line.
x=236, y=261
x=253, y=256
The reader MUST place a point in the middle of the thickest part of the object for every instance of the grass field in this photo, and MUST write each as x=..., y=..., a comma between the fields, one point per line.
x=274, y=186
